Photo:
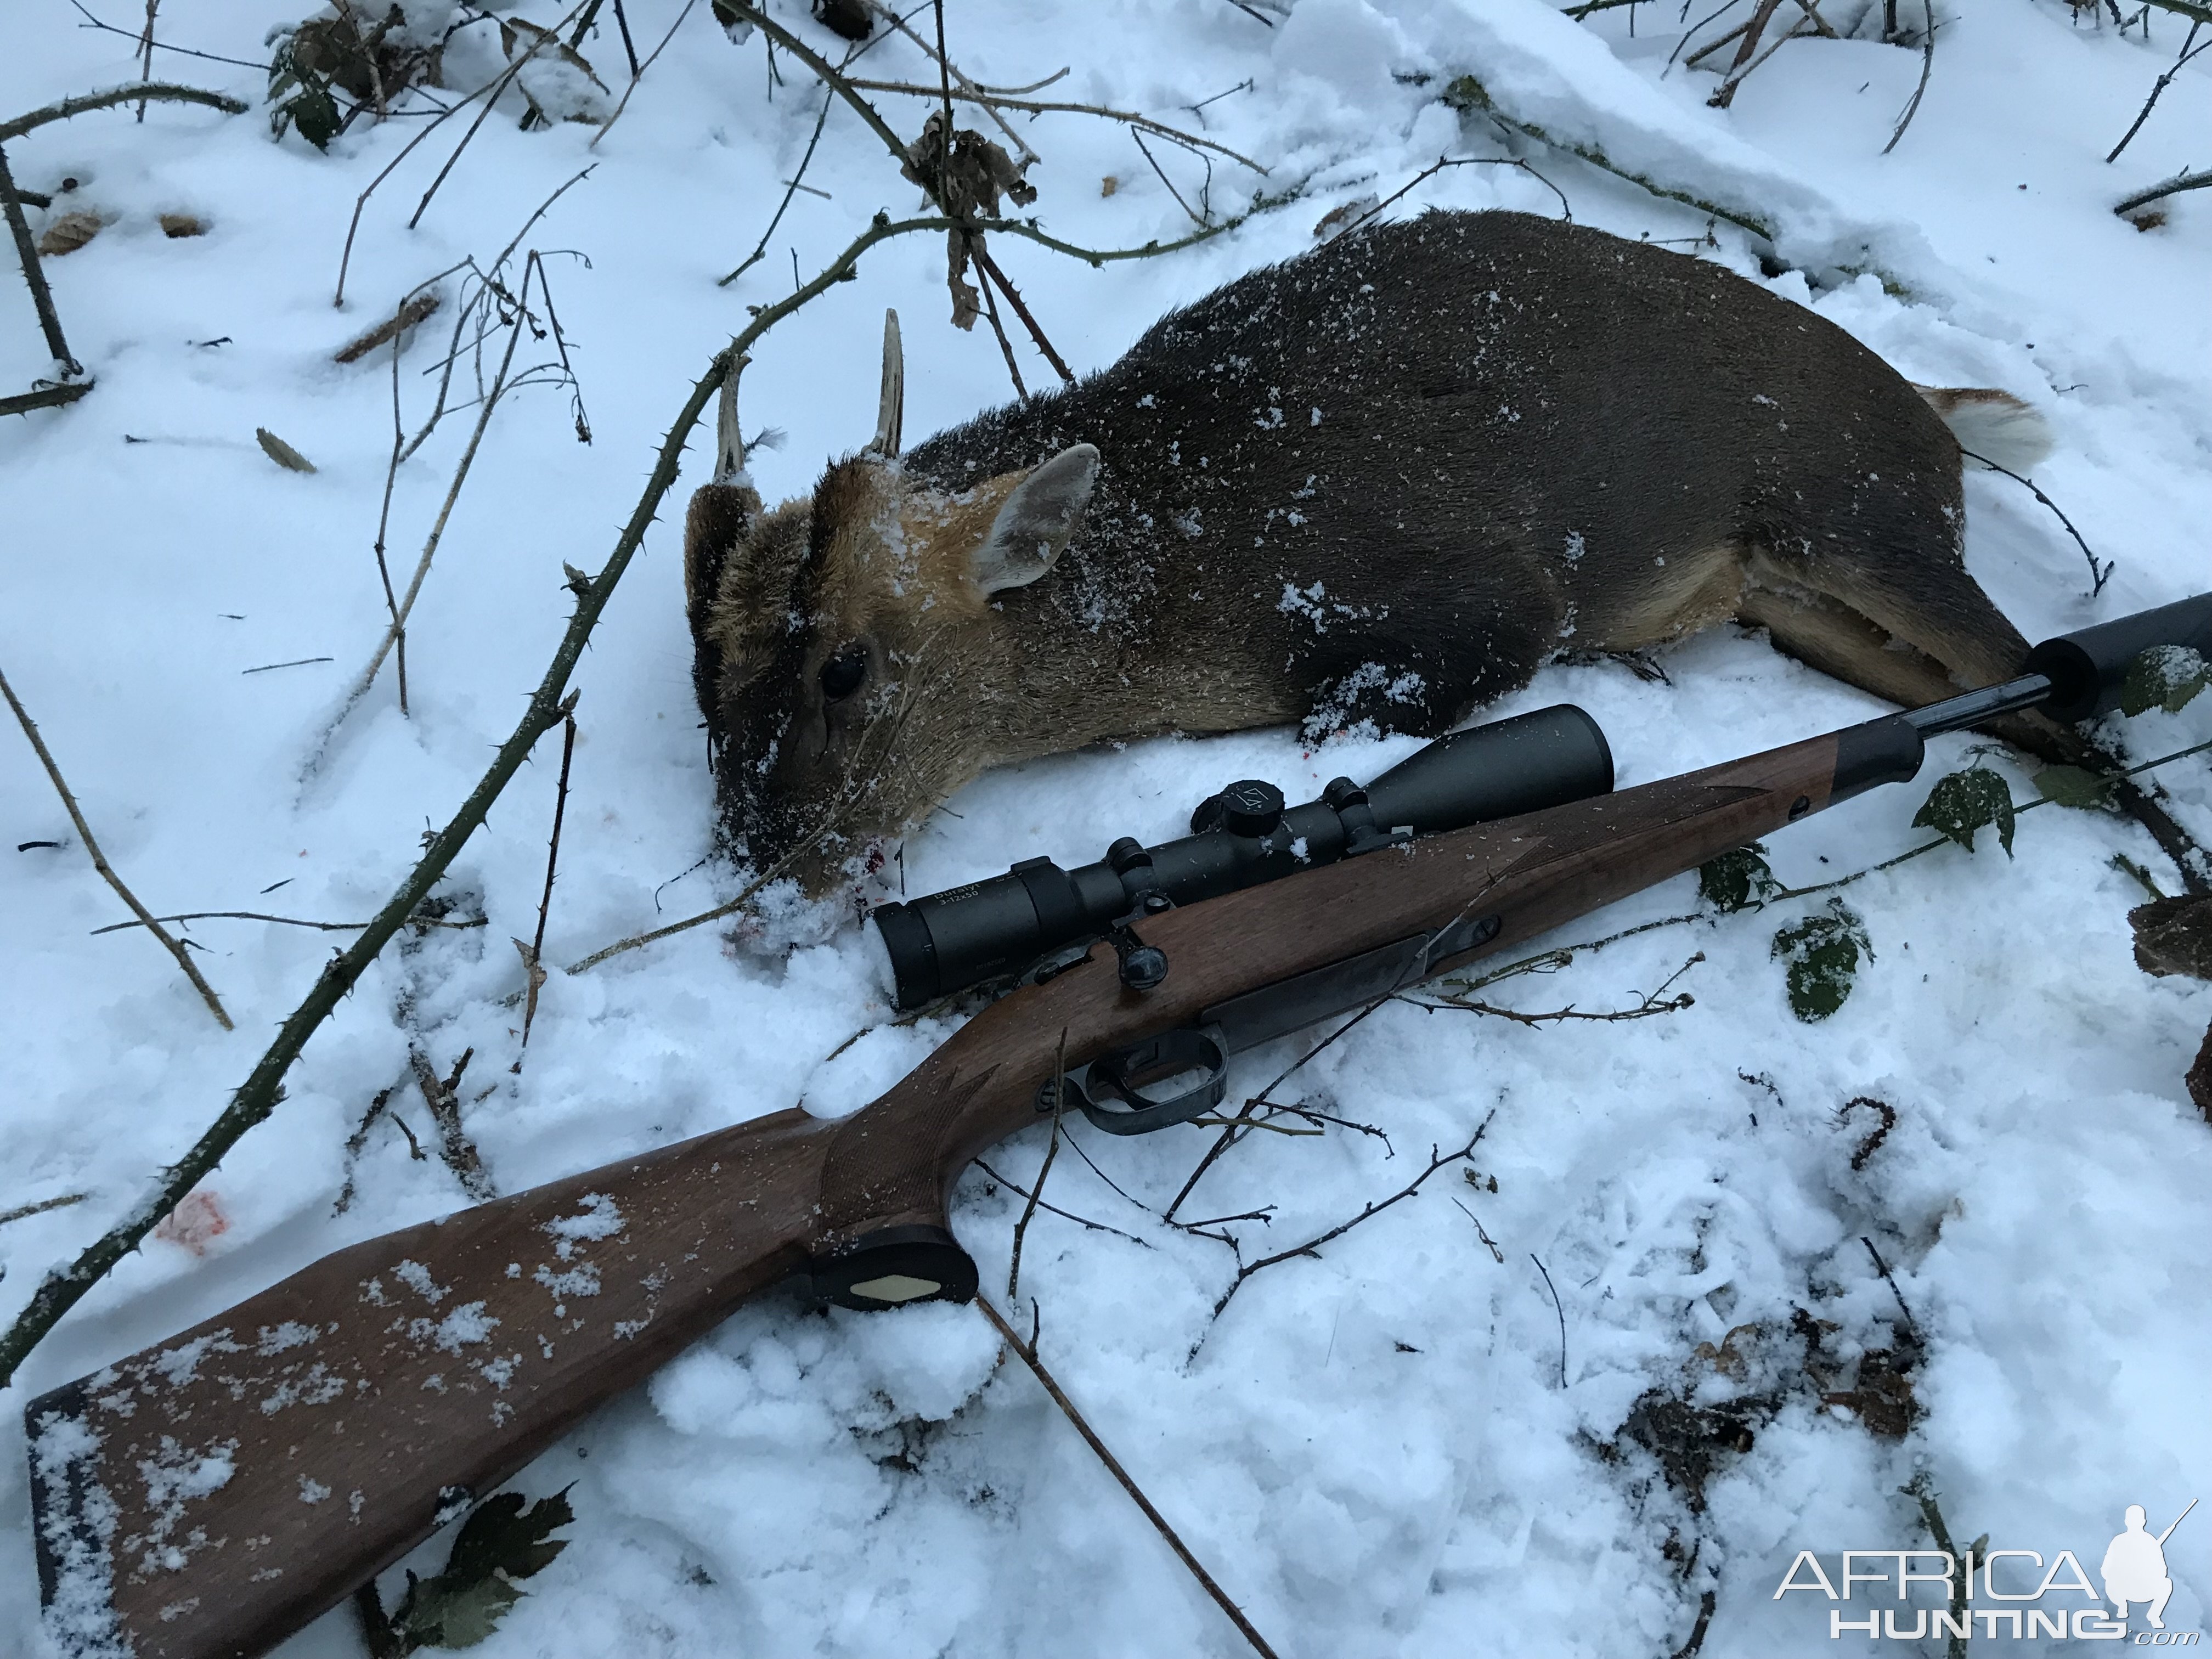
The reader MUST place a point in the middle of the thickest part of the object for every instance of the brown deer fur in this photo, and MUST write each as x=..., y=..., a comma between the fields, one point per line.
x=1382, y=481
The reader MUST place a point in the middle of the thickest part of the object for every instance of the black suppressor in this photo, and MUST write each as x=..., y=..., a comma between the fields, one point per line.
x=1241, y=837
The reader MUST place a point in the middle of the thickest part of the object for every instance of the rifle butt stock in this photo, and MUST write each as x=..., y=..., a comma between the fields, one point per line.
x=204, y=1498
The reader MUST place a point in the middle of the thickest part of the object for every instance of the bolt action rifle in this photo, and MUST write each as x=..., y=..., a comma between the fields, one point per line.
x=204, y=1498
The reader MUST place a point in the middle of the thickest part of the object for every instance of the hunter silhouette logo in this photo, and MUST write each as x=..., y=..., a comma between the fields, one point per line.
x=2135, y=1566
x=1986, y=1599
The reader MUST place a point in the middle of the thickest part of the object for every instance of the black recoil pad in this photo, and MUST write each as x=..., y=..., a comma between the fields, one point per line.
x=2087, y=669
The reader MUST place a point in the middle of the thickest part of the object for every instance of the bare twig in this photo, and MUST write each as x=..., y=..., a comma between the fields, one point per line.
x=1707, y=1601
x=158, y=91
x=1444, y=163
x=1028, y=1355
x=1044, y=1170
x=1196, y=218
x=994, y=101
x=1654, y=1003
x=990, y=268
x=1927, y=68
x=948, y=73
x=1761, y=14
x=2188, y=50
x=42, y=297
x=791, y=187
x=442, y=1095
x=287, y=922
x=1557, y=1309
x=2098, y=577
x=1312, y=1246
x=1229, y=1135
x=638, y=69
x=21, y=1210
x=1083, y=1221
x=1550, y=962
x=47, y=396
x=93, y=23
x=1912, y=1325
x=146, y=53
x=1482, y=1233
x=99, y=860
x=2173, y=187
x=998, y=332
x=538, y=44
x=489, y=91
x=396, y=629
x=395, y=632
x=533, y=958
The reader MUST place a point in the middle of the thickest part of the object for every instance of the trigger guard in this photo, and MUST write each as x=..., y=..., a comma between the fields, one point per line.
x=1141, y=1113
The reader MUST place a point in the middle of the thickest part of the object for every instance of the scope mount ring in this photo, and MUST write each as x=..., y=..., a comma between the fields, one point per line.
x=1111, y=1077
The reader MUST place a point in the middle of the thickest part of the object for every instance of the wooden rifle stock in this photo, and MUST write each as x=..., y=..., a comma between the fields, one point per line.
x=204, y=1498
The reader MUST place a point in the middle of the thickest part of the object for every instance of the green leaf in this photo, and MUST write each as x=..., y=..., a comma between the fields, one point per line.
x=2165, y=677
x=1822, y=954
x=2074, y=786
x=460, y=1615
x=1735, y=881
x=315, y=113
x=498, y=1537
x=497, y=1545
x=1963, y=802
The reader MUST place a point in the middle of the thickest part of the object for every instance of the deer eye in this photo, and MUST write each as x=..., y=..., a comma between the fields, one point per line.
x=842, y=674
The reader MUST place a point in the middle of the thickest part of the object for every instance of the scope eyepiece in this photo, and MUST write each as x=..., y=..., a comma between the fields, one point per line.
x=1241, y=837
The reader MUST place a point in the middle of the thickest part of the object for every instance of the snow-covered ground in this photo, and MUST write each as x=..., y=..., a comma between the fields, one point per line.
x=1403, y=1447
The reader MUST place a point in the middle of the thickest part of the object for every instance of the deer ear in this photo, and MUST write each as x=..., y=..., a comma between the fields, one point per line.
x=720, y=523
x=1033, y=527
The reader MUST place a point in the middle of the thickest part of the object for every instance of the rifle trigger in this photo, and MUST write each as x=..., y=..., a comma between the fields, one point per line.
x=1130, y=1074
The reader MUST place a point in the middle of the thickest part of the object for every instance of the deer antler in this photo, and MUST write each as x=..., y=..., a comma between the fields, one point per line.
x=729, y=440
x=890, y=408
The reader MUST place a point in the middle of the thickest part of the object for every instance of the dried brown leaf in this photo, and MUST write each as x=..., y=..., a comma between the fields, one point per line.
x=2175, y=936
x=422, y=306
x=68, y=234
x=282, y=453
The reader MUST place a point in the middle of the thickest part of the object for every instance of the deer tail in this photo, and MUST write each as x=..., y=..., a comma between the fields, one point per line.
x=1991, y=425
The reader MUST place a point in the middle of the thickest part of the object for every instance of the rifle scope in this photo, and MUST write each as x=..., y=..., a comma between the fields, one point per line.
x=1241, y=837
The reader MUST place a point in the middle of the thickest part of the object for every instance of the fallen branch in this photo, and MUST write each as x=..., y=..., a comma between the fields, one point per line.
x=992, y=101
x=1020, y=1191
x=1927, y=69
x=42, y=297
x=2174, y=186
x=100, y=860
x=1044, y=1171
x=289, y=921
x=2098, y=576
x=948, y=73
x=443, y=1097
x=1312, y=1246
x=47, y=396
x=792, y=188
x=22, y=1211
x=158, y=91
x=2188, y=50
x=533, y=954
x=1028, y=1355
x=1654, y=1003
x=638, y=69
